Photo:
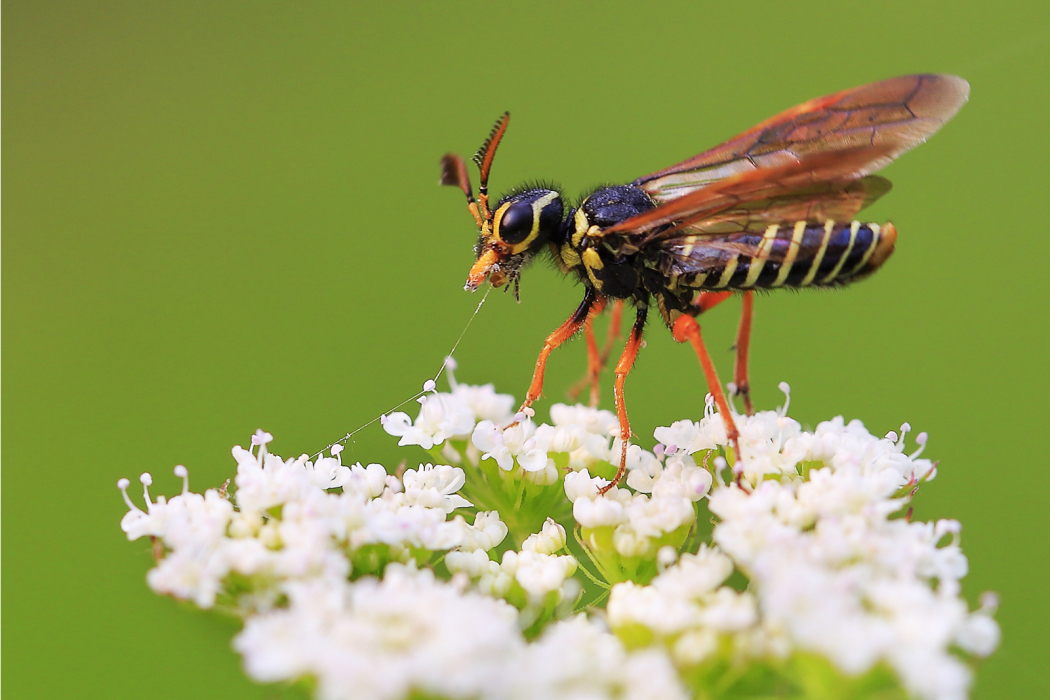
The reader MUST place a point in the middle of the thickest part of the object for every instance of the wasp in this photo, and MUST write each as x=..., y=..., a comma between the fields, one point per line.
x=771, y=208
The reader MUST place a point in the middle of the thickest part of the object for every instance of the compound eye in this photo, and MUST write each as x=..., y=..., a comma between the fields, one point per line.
x=516, y=223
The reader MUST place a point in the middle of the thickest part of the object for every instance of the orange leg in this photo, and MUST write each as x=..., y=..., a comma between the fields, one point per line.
x=623, y=367
x=743, y=344
x=707, y=301
x=686, y=328
x=596, y=361
x=564, y=332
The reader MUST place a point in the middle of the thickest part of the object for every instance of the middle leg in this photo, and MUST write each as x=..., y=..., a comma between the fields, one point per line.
x=596, y=360
x=743, y=345
x=707, y=301
x=623, y=367
x=687, y=329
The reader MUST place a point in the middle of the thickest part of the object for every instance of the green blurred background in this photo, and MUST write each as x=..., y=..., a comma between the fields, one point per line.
x=223, y=216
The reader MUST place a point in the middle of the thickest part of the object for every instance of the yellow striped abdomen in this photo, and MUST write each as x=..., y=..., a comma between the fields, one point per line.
x=802, y=254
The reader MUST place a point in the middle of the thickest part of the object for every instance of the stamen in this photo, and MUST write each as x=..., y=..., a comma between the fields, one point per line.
x=123, y=484
x=920, y=440
x=529, y=411
x=336, y=449
x=520, y=417
x=658, y=450
x=989, y=602
x=184, y=474
x=146, y=480
x=671, y=449
x=450, y=366
x=720, y=465
x=905, y=429
x=709, y=405
x=786, y=388
x=892, y=436
x=429, y=385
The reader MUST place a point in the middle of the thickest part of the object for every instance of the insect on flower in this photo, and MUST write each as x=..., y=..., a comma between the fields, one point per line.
x=768, y=209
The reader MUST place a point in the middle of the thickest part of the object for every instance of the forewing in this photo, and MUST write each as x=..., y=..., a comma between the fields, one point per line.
x=891, y=116
x=819, y=179
x=818, y=203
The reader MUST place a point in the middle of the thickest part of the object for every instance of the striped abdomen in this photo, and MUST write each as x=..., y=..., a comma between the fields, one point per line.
x=800, y=255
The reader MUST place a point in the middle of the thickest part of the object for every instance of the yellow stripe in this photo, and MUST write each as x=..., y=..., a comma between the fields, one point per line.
x=759, y=261
x=876, y=230
x=581, y=226
x=569, y=256
x=591, y=262
x=728, y=272
x=854, y=227
x=820, y=255
x=789, y=259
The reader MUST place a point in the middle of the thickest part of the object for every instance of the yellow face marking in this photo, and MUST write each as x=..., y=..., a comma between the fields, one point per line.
x=854, y=227
x=728, y=271
x=819, y=257
x=789, y=259
x=876, y=230
x=759, y=261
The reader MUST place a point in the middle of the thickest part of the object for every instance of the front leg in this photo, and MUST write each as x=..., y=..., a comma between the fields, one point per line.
x=564, y=332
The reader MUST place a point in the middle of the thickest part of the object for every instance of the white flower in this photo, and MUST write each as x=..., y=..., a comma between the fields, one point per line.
x=485, y=402
x=592, y=420
x=581, y=485
x=685, y=596
x=578, y=658
x=449, y=416
x=486, y=532
x=549, y=540
x=537, y=573
x=384, y=639
x=434, y=487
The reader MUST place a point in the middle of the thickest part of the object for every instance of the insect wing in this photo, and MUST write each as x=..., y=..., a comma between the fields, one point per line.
x=894, y=115
x=818, y=203
x=813, y=177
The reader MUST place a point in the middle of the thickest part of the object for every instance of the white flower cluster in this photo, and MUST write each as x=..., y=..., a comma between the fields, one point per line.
x=830, y=572
x=449, y=416
x=411, y=633
x=686, y=607
x=288, y=527
x=537, y=568
x=376, y=586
